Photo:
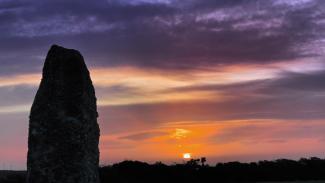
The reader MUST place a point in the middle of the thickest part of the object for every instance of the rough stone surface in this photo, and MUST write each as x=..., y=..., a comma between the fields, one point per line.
x=63, y=130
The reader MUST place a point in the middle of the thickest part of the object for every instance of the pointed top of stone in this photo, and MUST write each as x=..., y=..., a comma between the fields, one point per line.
x=56, y=48
x=65, y=65
x=64, y=57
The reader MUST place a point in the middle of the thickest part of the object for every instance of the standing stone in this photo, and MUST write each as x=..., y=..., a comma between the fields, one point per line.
x=63, y=130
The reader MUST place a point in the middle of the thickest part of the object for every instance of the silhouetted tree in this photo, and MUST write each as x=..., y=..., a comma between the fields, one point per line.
x=203, y=160
x=193, y=162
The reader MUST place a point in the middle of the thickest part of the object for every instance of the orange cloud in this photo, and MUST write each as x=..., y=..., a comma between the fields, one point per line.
x=220, y=139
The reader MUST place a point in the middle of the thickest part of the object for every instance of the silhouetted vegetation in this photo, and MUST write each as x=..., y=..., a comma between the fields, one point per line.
x=196, y=170
x=12, y=176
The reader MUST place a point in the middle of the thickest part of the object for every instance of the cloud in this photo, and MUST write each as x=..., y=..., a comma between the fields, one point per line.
x=114, y=118
x=270, y=132
x=143, y=135
x=16, y=95
x=282, y=83
x=301, y=81
x=174, y=35
x=290, y=96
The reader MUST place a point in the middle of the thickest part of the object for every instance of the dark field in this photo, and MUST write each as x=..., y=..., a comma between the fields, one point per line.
x=305, y=171
x=12, y=176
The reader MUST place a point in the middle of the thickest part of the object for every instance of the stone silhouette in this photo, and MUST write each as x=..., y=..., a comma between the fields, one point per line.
x=63, y=129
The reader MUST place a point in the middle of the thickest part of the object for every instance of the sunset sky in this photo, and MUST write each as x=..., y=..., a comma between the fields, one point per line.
x=230, y=80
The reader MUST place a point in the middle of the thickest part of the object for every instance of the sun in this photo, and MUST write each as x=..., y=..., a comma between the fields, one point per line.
x=187, y=155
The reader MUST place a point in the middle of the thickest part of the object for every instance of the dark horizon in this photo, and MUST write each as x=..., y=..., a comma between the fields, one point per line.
x=303, y=171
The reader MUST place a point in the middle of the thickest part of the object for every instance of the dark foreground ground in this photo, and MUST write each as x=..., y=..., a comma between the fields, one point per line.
x=310, y=170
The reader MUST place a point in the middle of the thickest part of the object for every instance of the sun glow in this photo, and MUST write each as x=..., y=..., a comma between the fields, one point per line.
x=187, y=155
